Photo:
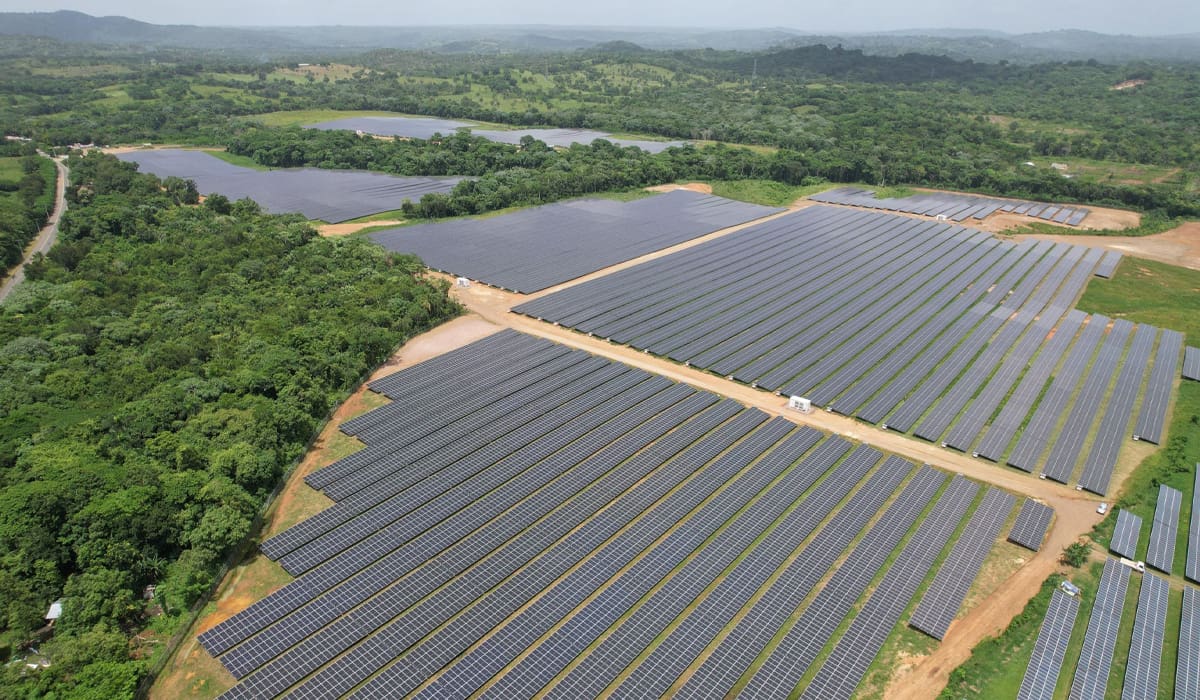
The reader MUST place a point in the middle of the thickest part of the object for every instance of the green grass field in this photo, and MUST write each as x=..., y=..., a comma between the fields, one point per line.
x=1145, y=291
x=10, y=170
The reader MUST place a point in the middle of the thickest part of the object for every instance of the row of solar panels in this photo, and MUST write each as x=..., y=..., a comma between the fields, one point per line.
x=979, y=351
x=1160, y=553
x=600, y=519
x=955, y=207
x=1093, y=667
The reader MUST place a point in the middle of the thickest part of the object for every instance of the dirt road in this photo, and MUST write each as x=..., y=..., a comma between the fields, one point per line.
x=46, y=237
x=1179, y=246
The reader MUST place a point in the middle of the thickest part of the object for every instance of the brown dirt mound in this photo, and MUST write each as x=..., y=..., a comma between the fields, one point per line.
x=693, y=186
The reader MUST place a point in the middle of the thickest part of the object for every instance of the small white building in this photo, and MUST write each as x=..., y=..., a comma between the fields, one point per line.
x=55, y=611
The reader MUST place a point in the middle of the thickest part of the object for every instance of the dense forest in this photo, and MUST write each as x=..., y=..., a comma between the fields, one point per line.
x=160, y=370
x=810, y=112
x=27, y=184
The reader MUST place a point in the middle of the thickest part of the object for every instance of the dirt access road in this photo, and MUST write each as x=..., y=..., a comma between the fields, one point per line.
x=1180, y=246
x=1075, y=511
x=46, y=237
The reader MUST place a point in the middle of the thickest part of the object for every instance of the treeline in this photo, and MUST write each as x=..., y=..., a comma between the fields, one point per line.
x=532, y=173
x=159, y=370
x=25, y=203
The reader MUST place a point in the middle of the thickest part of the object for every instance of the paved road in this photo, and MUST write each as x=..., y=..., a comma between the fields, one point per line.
x=46, y=237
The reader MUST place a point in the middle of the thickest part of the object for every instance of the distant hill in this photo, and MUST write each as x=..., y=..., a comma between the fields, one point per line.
x=981, y=45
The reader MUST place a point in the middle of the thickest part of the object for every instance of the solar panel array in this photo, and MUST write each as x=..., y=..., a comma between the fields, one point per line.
x=949, y=589
x=526, y=518
x=1030, y=527
x=1187, y=662
x=1193, y=554
x=1126, y=534
x=846, y=665
x=531, y=249
x=1145, y=648
x=327, y=195
x=1191, y=363
x=1165, y=530
x=1108, y=266
x=1041, y=675
x=1153, y=416
x=845, y=308
x=1095, y=660
x=426, y=127
x=955, y=207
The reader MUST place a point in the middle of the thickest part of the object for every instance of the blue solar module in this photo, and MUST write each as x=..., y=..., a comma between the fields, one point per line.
x=531, y=249
x=846, y=665
x=1126, y=534
x=427, y=127
x=717, y=675
x=1153, y=415
x=1091, y=672
x=1187, y=662
x=1108, y=266
x=1030, y=527
x=1165, y=530
x=327, y=195
x=1191, y=363
x=1041, y=675
x=1193, y=553
x=1145, y=648
x=946, y=593
x=948, y=204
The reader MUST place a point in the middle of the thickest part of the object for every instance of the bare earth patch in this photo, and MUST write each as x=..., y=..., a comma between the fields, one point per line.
x=347, y=229
x=692, y=186
x=1180, y=246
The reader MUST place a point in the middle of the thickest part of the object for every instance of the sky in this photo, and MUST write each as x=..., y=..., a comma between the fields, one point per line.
x=1108, y=16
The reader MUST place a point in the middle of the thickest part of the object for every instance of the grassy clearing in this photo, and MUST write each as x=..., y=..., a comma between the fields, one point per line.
x=311, y=116
x=1149, y=226
x=10, y=170
x=1145, y=291
x=240, y=161
x=766, y=192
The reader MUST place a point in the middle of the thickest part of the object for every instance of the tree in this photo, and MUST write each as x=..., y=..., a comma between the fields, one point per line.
x=1076, y=554
x=97, y=596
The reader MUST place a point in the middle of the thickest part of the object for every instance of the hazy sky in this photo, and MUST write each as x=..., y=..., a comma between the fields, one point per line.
x=1111, y=16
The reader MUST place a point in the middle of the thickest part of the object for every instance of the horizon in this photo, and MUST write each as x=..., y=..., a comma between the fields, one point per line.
x=1008, y=21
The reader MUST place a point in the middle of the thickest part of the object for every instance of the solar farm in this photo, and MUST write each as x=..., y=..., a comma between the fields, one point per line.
x=327, y=195
x=532, y=249
x=954, y=207
x=527, y=518
x=428, y=127
x=580, y=527
x=982, y=352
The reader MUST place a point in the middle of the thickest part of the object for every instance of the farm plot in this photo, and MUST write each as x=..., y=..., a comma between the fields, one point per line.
x=529, y=519
x=427, y=127
x=327, y=195
x=532, y=249
x=919, y=326
x=959, y=207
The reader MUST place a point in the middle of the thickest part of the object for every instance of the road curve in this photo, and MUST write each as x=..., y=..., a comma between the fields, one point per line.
x=46, y=237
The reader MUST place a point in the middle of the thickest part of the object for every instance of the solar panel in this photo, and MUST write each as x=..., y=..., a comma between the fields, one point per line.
x=940, y=604
x=1041, y=675
x=955, y=206
x=532, y=249
x=1091, y=672
x=1191, y=363
x=1102, y=458
x=1030, y=527
x=1161, y=552
x=846, y=665
x=1126, y=534
x=1187, y=661
x=1145, y=648
x=1153, y=415
x=1193, y=553
x=1108, y=266
x=327, y=195
x=717, y=675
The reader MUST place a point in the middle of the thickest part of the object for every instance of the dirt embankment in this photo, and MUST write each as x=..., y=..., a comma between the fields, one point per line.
x=347, y=229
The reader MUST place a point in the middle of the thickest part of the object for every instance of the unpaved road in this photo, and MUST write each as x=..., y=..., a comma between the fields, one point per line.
x=1180, y=246
x=46, y=237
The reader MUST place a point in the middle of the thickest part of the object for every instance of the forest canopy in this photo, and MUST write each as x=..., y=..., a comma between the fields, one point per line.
x=160, y=370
